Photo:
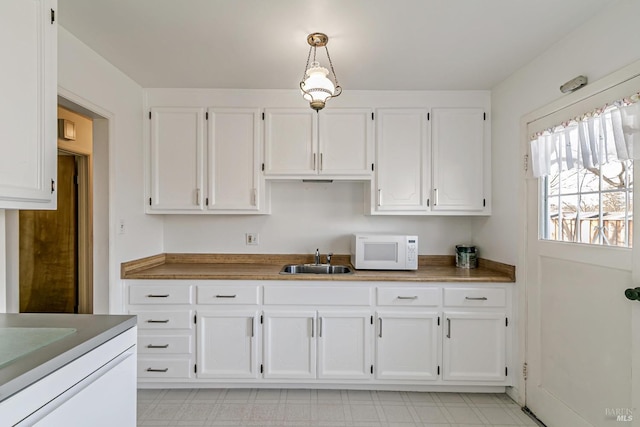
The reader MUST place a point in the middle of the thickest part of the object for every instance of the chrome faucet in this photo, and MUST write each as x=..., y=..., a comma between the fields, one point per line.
x=317, y=256
x=329, y=255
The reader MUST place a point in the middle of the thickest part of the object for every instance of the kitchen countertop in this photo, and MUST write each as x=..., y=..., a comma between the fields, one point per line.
x=431, y=268
x=52, y=341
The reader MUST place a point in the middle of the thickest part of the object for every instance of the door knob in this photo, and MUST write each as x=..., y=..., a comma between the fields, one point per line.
x=632, y=294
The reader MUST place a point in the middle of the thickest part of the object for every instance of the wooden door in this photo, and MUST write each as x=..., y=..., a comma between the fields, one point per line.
x=48, y=250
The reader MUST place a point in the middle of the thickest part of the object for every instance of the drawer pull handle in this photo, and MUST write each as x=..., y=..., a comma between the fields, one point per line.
x=158, y=296
x=225, y=296
x=476, y=298
x=380, y=328
x=448, y=328
x=158, y=321
x=157, y=370
x=413, y=297
x=158, y=346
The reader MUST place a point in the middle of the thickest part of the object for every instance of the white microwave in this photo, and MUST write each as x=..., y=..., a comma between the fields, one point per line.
x=384, y=252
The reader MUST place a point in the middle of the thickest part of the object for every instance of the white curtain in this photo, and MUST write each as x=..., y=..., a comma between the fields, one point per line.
x=590, y=142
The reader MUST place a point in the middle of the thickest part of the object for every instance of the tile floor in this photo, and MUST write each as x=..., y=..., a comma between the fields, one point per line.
x=330, y=408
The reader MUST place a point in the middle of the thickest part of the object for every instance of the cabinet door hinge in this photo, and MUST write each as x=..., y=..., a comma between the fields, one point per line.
x=438, y=320
x=484, y=203
x=53, y=16
x=261, y=319
x=438, y=370
x=149, y=201
x=506, y=371
x=484, y=116
x=372, y=116
x=524, y=370
x=53, y=186
x=372, y=320
x=206, y=115
x=428, y=202
x=372, y=369
x=506, y=321
x=206, y=201
x=428, y=116
x=373, y=168
x=195, y=369
x=263, y=167
x=195, y=318
x=263, y=115
x=261, y=368
x=149, y=115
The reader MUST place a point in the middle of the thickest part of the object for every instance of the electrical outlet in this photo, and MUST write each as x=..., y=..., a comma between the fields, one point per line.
x=121, y=227
x=252, y=238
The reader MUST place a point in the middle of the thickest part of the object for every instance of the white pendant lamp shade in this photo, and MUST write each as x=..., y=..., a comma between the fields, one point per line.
x=316, y=86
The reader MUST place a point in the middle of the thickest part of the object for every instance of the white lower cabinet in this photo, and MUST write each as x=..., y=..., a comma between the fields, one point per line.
x=226, y=344
x=474, y=346
x=432, y=336
x=289, y=344
x=407, y=345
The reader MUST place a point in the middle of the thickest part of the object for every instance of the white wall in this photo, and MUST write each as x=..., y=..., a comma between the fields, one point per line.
x=306, y=216
x=606, y=43
x=90, y=81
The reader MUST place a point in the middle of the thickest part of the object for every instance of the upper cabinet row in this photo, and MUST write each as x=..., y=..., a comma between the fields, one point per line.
x=415, y=161
x=28, y=84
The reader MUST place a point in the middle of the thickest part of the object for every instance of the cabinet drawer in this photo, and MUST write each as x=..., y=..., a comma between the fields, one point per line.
x=154, y=294
x=475, y=297
x=316, y=295
x=164, y=368
x=164, y=344
x=418, y=297
x=182, y=319
x=228, y=295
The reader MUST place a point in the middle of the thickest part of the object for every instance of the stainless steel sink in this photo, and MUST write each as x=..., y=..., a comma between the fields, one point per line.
x=316, y=269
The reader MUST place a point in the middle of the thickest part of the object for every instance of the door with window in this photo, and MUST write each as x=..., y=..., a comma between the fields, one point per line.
x=581, y=331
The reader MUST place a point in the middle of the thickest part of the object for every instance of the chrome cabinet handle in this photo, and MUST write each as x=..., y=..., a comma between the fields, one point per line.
x=312, y=326
x=320, y=161
x=253, y=320
x=158, y=321
x=435, y=197
x=158, y=346
x=226, y=296
x=379, y=197
x=401, y=297
x=157, y=370
x=197, y=196
x=448, y=328
x=380, y=327
x=320, y=327
x=255, y=197
x=314, y=161
x=476, y=298
x=158, y=296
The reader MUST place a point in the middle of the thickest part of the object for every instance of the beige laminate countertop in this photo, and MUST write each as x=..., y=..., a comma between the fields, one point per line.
x=431, y=268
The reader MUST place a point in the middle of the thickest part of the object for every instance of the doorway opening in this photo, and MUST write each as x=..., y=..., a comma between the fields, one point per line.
x=56, y=247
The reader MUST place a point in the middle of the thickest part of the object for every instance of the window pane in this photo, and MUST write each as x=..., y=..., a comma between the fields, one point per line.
x=589, y=179
x=590, y=219
x=569, y=211
x=614, y=175
x=629, y=173
x=569, y=183
x=553, y=183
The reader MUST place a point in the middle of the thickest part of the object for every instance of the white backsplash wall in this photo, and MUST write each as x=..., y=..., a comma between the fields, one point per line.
x=306, y=216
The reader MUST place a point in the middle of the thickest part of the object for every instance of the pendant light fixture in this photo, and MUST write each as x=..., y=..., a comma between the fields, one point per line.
x=316, y=87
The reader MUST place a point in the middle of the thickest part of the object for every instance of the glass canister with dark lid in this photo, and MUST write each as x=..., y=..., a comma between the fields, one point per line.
x=466, y=256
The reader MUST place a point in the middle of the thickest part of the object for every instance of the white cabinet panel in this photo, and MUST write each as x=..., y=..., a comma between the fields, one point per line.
x=226, y=344
x=345, y=142
x=165, y=319
x=291, y=138
x=289, y=344
x=402, y=147
x=28, y=84
x=164, y=344
x=160, y=295
x=458, y=159
x=475, y=297
x=228, y=295
x=176, y=164
x=234, y=154
x=409, y=297
x=344, y=344
x=179, y=367
x=316, y=295
x=407, y=345
x=474, y=346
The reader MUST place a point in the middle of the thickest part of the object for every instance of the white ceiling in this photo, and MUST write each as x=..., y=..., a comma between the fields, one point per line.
x=374, y=44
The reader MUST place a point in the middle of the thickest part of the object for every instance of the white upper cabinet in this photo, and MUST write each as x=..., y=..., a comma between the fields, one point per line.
x=300, y=143
x=401, y=166
x=458, y=159
x=176, y=160
x=28, y=83
x=228, y=181
x=233, y=151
